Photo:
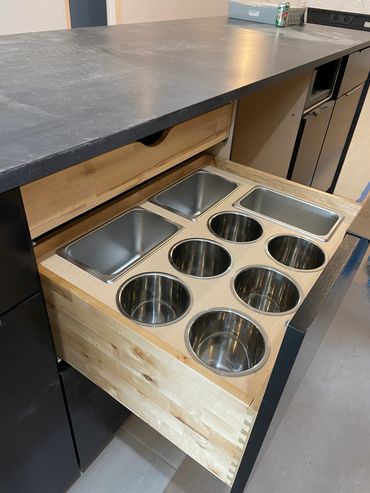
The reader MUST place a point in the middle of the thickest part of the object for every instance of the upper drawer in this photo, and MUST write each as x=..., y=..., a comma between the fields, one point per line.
x=57, y=198
x=356, y=71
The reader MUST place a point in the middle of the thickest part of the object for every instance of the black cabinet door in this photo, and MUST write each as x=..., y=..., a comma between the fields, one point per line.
x=309, y=143
x=18, y=272
x=37, y=453
x=95, y=416
x=356, y=71
x=335, y=140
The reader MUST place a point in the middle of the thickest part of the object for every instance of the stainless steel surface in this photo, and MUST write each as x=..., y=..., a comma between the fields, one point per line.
x=266, y=290
x=235, y=227
x=200, y=258
x=296, y=252
x=107, y=251
x=285, y=209
x=227, y=343
x=153, y=299
x=195, y=194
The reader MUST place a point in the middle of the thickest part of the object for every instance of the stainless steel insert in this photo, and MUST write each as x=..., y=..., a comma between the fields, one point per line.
x=227, y=343
x=235, y=227
x=285, y=209
x=107, y=251
x=266, y=290
x=296, y=252
x=153, y=299
x=200, y=258
x=195, y=194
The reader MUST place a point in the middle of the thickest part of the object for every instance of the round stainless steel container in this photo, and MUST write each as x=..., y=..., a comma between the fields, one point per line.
x=266, y=290
x=227, y=342
x=153, y=299
x=235, y=227
x=295, y=252
x=200, y=258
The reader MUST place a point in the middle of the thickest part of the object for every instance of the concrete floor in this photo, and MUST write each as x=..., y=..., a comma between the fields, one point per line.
x=323, y=443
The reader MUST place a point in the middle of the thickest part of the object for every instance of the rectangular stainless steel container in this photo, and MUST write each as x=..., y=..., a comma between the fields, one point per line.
x=284, y=209
x=195, y=194
x=107, y=251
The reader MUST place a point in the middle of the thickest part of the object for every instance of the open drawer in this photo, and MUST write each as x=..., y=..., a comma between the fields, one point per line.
x=181, y=375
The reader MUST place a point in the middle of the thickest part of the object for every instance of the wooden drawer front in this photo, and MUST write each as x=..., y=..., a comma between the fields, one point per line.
x=202, y=419
x=356, y=72
x=55, y=199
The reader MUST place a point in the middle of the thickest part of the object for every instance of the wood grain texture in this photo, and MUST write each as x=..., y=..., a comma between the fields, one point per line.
x=268, y=121
x=55, y=199
x=105, y=212
x=149, y=369
x=200, y=418
x=67, y=13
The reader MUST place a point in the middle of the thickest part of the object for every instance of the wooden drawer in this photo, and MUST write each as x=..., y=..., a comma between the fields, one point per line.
x=55, y=199
x=149, y=369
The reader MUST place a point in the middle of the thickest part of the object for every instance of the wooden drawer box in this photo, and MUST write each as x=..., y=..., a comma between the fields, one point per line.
x=149, y=369
x=55, y=199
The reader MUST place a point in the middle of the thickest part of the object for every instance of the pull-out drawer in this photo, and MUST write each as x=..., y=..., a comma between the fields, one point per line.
x=55, y=199
x=188, y=336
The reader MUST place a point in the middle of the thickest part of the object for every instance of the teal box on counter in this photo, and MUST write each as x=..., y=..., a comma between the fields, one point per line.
x=265, y=13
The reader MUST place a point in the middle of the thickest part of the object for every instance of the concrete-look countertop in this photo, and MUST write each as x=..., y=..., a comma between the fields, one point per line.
x=67, y=96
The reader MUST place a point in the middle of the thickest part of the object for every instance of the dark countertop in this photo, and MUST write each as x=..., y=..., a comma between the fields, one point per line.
x=67, y=96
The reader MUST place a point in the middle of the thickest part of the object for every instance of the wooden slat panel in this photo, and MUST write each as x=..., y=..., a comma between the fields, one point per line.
x=57, y=198
x=156, y=386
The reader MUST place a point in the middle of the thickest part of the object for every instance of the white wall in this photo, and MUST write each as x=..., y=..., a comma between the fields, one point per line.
x=361, y=6
x=128, y=11
x=17, y=16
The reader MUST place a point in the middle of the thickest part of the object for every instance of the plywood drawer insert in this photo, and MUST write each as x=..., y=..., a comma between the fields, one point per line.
x=149, y=369
x=55, y=199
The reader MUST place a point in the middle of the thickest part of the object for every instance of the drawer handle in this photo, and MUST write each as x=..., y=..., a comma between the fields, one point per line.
x=155, y=139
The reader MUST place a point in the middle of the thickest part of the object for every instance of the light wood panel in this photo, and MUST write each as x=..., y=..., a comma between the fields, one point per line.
x=93, y=219
x=149, y=369
x=267, y=124
x=55, y=199
x=196, y=415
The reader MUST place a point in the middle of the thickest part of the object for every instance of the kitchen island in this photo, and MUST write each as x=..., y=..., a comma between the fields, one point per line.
x=97, y=121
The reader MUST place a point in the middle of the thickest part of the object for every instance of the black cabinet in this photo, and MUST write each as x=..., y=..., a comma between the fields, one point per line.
x=355, y=71
x=309, y=143
x=95, y=416
x=37, y=453
x=335, y=139
x=17, y=266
